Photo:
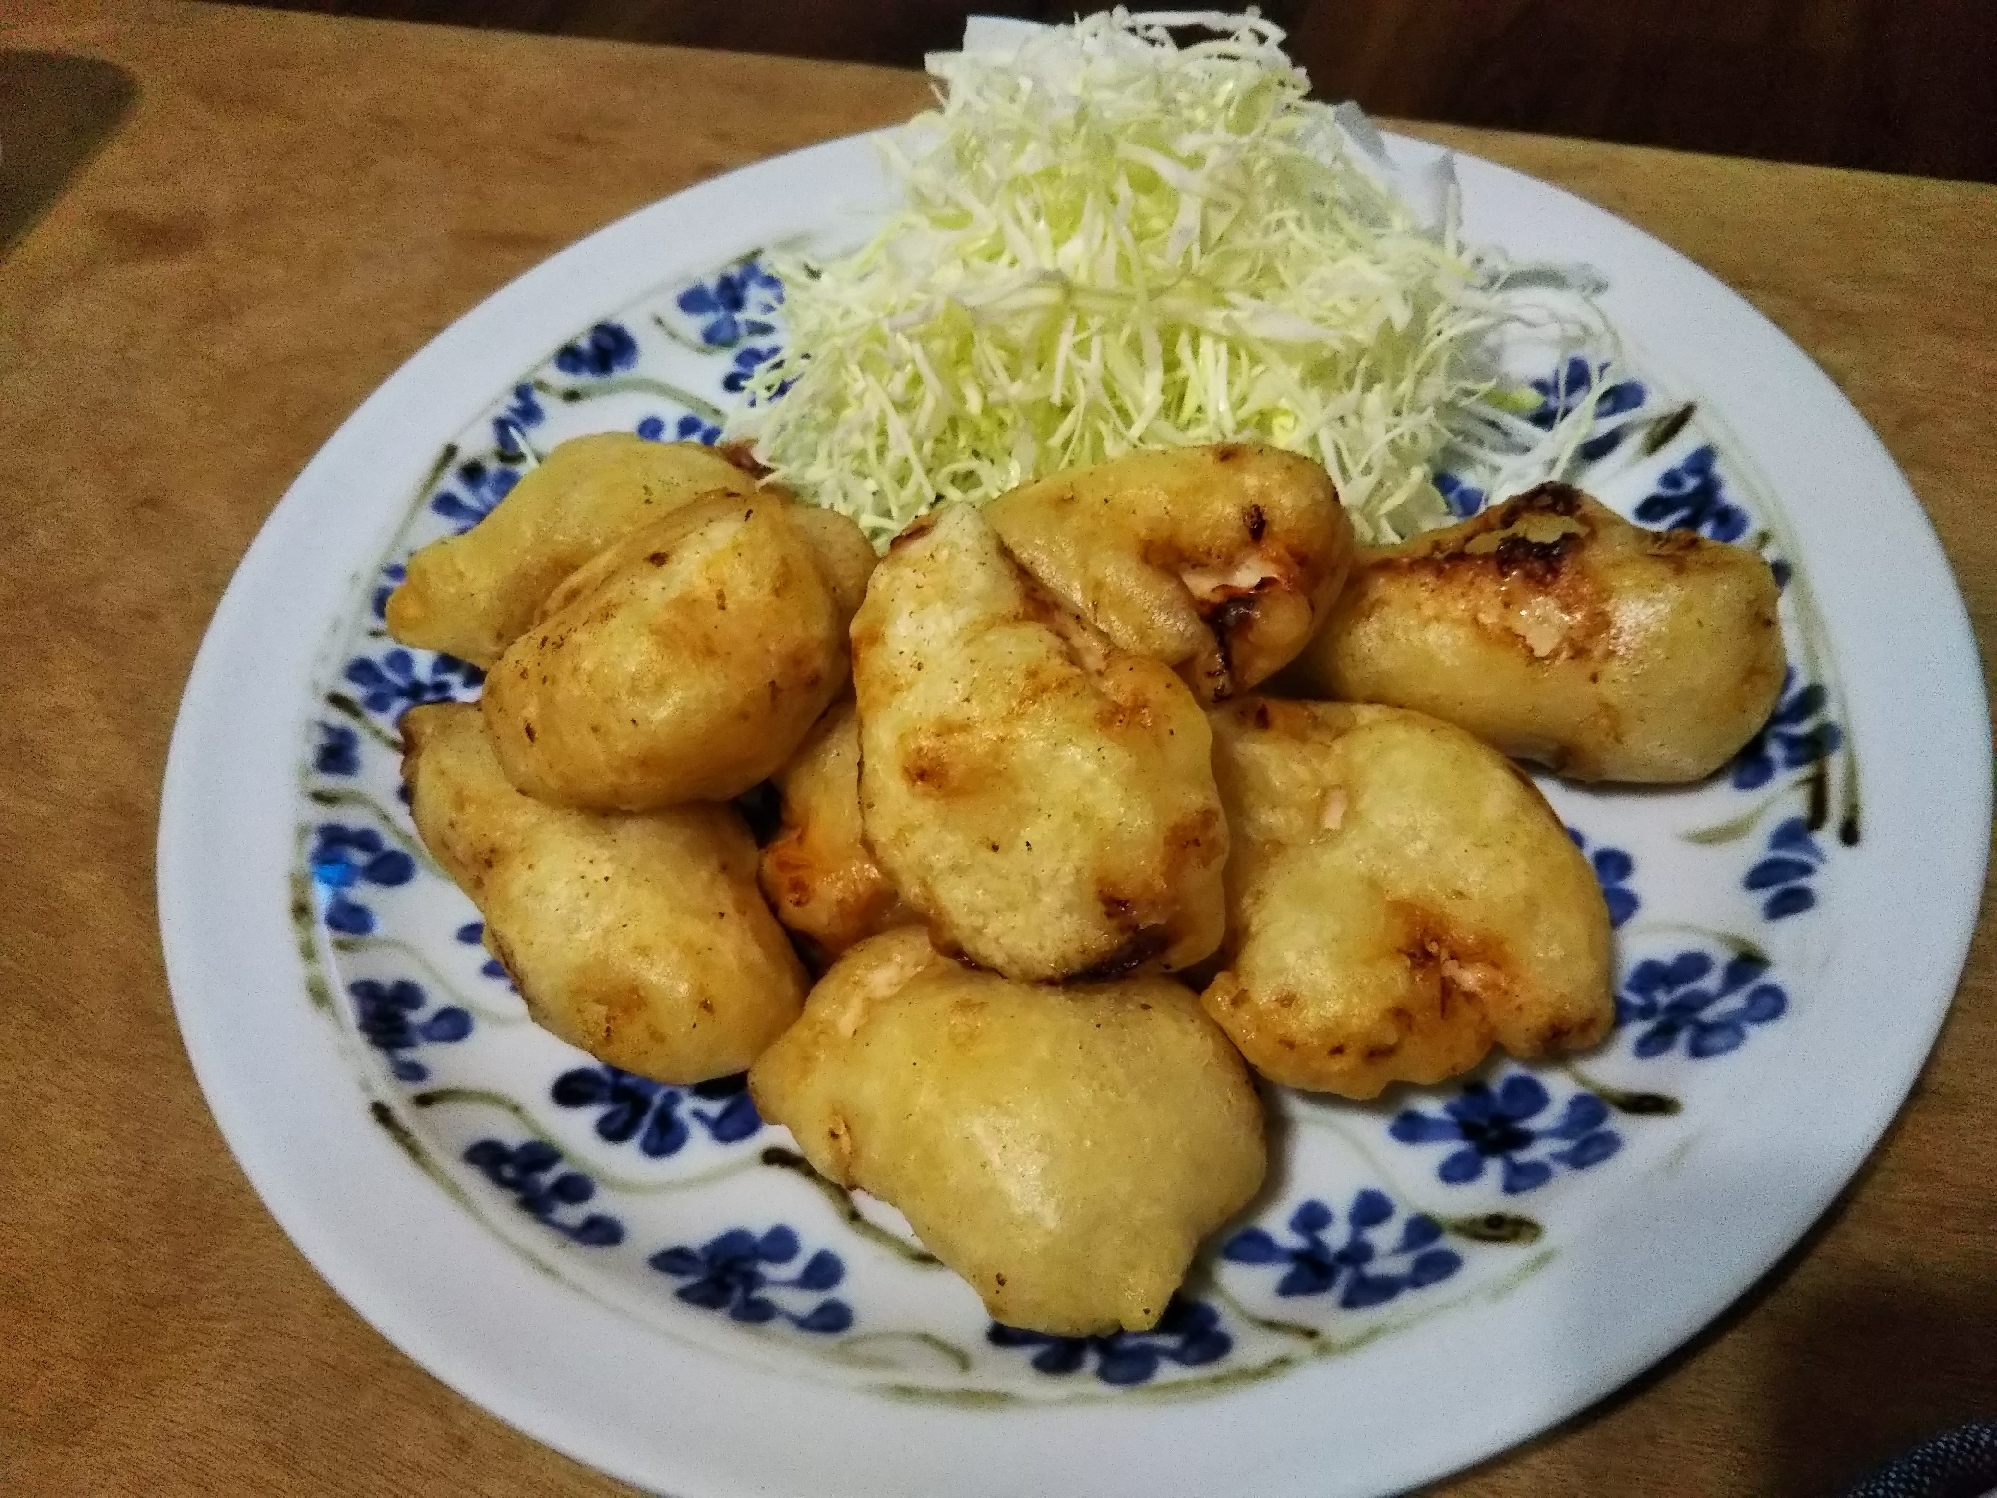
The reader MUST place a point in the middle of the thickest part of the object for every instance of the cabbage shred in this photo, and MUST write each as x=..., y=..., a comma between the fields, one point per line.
x=1109, y=241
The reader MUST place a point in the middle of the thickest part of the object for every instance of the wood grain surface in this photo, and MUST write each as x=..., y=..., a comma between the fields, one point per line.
x=292, y=207
x=1899, y=86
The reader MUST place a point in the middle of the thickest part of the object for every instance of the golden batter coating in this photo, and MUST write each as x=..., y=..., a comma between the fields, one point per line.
x=818, y=873
x=1219, y=561
x=475, y=594
x=686, y=662
x=1401, y=898
x=1557, y=631
x=1064, y=1150
x=1044, y=800
x=641, y=939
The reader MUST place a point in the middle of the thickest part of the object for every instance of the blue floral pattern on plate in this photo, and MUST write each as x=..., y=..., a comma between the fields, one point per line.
x=1614, y=868
x=1668, y=1001
x=1690, y=496
x=1189, y=1334
x=339, y=751
x=737, y=303
x=1364, y=1273
x=529, y=1172
x=1794, y=859
x=510, y=443
x=344, y=861
x=472, y=934
x=689, y=428
x=390, y=1017
x=400, y=679
x=1463, y=499
x=1502, y=1125
x=657, y=1115
x=1797, y=735
x=594, y=1168
x=482, y=485
x=734, y=1274
x=600, y=353
x=1564, y=391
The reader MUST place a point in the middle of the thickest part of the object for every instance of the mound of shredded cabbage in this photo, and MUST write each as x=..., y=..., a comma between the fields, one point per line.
x=1109, y=241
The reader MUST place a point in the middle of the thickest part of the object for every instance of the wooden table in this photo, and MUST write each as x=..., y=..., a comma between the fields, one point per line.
x=292, y=208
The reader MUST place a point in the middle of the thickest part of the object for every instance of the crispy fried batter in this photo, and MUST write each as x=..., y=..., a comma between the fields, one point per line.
x=1219, y=561
x=1559, y=632
x=475, y=594
x=1064, y=1151
x=1401, y=898
x=818, y=873
x=686, y=662
x=1043, y=799
x=641, y=939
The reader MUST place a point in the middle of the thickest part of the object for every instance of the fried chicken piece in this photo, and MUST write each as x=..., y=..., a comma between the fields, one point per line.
x=1064, y=1151
x=1219, y=561
x=1556, y=630
x=818, y=873
x=642, y=939
x=1401, y=898
x=1044, y=800
x=686, y=662
x=475, y=594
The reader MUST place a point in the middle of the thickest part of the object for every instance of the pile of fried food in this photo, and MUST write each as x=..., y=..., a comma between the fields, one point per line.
x=1066, y=875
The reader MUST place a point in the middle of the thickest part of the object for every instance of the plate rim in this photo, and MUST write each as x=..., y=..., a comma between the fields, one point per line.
x=598, y=1441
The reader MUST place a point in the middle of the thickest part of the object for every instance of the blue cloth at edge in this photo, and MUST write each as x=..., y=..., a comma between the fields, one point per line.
x=1960, y=1463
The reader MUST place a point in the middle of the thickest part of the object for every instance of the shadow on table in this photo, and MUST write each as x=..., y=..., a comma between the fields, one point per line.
x=55, y=111
x=1875, y=1369
x=1861, y=1372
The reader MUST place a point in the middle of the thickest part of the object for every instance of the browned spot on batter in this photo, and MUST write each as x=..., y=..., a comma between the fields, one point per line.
x=1420, y=949
x=658, y=558
x=839, y=1143
x=1226, y=617
x=1228, y=452
x=937, y=762
x=623, y=1011
x=1261, y=715
x=1190, y=833
x=1555, y=1036
x=740, y=454
x=1675, y=545
x=1256, y=522
x=1136, y=950
x=1539, y=560
x=914, y=531
x=1517, y=572
x=528, y=729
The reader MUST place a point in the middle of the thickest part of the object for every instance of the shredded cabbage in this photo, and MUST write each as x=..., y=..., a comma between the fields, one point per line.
x=1109, y=241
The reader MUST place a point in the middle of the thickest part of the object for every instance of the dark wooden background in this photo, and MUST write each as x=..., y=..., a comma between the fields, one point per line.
x=1890, y=85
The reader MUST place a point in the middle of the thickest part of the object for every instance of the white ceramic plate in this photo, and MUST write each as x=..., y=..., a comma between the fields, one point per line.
x=640, y=1275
